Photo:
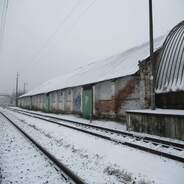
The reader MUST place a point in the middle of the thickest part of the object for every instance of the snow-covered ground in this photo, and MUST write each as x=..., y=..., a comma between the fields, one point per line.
x=21, y=162
x=119, y=138
x=100, y=161
x=121, y=126
x=103, y=123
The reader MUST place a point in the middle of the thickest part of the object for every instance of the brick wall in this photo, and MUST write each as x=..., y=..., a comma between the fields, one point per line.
x=104, y=99
x=113, y=98
x=145, y=79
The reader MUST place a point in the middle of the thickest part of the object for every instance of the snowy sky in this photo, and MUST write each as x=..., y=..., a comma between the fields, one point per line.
x=47, y=38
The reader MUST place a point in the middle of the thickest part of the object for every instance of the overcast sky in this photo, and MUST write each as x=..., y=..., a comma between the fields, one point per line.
x=47, y=38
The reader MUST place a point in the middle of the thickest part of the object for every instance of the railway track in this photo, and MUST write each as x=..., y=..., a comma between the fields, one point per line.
x=66, y=172
x=165, y=148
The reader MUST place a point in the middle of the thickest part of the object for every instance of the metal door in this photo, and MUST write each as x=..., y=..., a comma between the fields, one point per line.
x=87, y=103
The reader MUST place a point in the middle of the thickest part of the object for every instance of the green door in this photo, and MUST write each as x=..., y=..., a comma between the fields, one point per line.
x=87, y=103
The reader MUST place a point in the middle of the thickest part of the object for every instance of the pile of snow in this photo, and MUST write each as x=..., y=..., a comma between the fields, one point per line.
x=120, y=65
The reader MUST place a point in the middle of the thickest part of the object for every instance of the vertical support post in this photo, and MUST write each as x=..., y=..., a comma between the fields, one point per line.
x=152, y=56
x=81, y=93
x=72, y=100
x=94, y=99
x=91, y=108
x=25, y=87
x=17, y=88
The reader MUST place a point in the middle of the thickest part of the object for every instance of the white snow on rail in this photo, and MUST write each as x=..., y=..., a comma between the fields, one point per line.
x=120, y=65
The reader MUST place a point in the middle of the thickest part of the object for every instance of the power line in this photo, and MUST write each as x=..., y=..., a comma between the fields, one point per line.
x=81, y=14
x=58, y=28
x=84, y=11
x=2, y=14
x=3, y=21
x=55, y=32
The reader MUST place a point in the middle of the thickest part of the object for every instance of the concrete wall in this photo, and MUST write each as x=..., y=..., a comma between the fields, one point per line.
x=37, y=102
x=68, y=101
x=53, y=101
x=171, y=126
x=77, y=96
x=60, y=94
x=145, y=79
x=128, y=95
x=114, y=97
x=104, y=96
x=110, y=98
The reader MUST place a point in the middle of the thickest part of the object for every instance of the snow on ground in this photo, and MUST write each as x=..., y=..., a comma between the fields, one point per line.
x=130, y=139
x=21, y=162
x=100, y=161
x=121, y=126
x=103, y=123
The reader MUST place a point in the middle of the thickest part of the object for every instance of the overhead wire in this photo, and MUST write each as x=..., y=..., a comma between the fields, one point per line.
x=49, y=39
x=3, y=22
x=47, y=43
x=2, y=16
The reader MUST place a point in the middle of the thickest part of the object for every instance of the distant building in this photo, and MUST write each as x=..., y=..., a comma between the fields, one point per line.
x=5, y=100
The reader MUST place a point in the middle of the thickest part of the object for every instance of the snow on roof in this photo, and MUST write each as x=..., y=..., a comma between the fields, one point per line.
x=116, y=66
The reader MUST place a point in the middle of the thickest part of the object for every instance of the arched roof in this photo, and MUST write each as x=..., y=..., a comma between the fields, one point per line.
x=170, y=72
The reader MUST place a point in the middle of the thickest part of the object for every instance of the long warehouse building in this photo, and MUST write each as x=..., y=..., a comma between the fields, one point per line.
x=105, y=88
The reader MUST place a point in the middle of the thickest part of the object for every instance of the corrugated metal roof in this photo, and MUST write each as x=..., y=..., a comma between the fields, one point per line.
x=120, y=65
x=170, y=73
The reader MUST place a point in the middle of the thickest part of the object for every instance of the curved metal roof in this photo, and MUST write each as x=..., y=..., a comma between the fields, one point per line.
x=170, y=72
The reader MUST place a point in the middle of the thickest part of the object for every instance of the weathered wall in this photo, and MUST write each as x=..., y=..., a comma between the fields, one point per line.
x=104, y=98
x=77, y=94
x=68, y=100
x=145, y=79
x=34, y=102
x=114, y=97
x=145, y=83
x=110, y=98
x=163, y=125
x=127, y=91
x=37, y=102
x=28, y=102
x=60, y=95
x=53, y=101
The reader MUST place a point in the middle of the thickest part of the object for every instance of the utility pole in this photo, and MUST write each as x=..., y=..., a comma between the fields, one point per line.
x=17, y=88
x=25, y=87
x=152, y=56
